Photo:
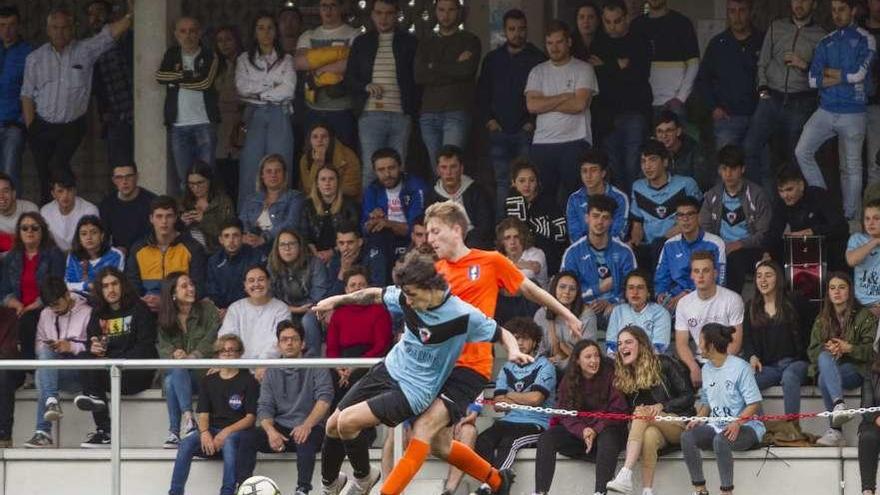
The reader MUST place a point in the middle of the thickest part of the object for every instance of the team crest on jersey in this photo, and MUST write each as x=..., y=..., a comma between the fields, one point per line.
x=603, y=271
x=731, y=217
x=424, y=334
x=473, y=272
x=661, y=211
x=518, y=386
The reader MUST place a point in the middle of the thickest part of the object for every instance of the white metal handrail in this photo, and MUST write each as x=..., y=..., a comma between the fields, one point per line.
x=117, y=365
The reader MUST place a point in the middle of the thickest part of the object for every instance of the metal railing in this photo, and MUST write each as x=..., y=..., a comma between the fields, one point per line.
x=115, y=366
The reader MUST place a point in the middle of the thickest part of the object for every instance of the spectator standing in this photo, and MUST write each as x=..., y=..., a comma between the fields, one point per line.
x=501, y=97
x=188, y=71
x=594, y=177
x=291, y=410
x=639, y=310
x=89, y=253
x=187, y=329
x=685, y=153
x=114, y=87
x=559, y=92
x=254, y=318
x=273, y=206
x=862, y=256
x=529, y=203
x=588, y=27
x=556, y=340
x=326, y=209
x=10, y=209
x=446, y=68
x=230, y=132
x=872, y=134
x=290, y=26
x=205, y=206
x=324, y=53
x=726, y=79
x=785, y=98
x=623, y=110
x=65, y=210
x=381, y=78
x=266, y=81
x=56, y=90
x=14, y=52
x=227, y=267
x=740, y=212
x=675, y=55
x=841, y=71
x=351, y=251
x=323, y=149
x=126, y=211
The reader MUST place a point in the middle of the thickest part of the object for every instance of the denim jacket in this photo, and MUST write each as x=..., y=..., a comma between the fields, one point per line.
x=286, y=212
x=51, y=263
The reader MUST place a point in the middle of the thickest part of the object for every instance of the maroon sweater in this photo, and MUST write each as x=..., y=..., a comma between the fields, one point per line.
x=359, y=326
x=592, y=392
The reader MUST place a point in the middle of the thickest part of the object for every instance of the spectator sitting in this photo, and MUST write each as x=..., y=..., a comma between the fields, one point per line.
x=869, y=430
x=599, y=260
x=557, y=341
x=292, y=411
x=654, y=384
x=299, y=280
x=673, y=275
x=654, y=199
x=803, y=210
x=841, y=350
x=528, y=202
x=418, y=235
x=126, y=211
x=357, y=331
x=350, y=251
x=641, y=311
x=226, y=410
x=226, y=267
x=164, y=251
x=266, y=82
x=323, y=149
x=273, y=207
x=10, y=209
x=453, y=185
x=775, y=345
x=90, y=252
x=587, y=385
x=61, y=334
x=862, y=256
x=255, y=317
x=533, y=384
x=325, y=209
x=514, y=241
x=708, y=303
x=65, y=210
x=594, y=176
x=33, y=258
x=391, y=204
x=685, y=153
x=187, y=329
x=205, y=206
x=738, y=211
x=121, y=327
x=738, y=397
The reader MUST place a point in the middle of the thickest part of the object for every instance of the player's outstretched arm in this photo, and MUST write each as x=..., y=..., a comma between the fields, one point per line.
x=363, y=297
x=536, y=294
x=513, y=353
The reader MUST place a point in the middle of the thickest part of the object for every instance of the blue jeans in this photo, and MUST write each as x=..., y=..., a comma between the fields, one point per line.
x=731, y=130
x=504, y=148
x=256, y=440
x=836, y=377
x=49, y=381
x=772, y=115
x=624, y=148
x=192, y=446
x=441, y=128
x=190, y=143
x=178, y=385
x=382, y=130
x=558, y=166
x=268, y=131
x=791, y=374
x=314, y=335
x=341, y=121
x=11, y=147
x=850, y=131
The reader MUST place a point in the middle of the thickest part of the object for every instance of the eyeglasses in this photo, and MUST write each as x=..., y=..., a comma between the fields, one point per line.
x=30, y=228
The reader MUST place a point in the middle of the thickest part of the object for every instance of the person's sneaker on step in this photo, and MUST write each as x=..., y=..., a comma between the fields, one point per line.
x=92, y=403
x=362, y=486
x=622, y=483
x=831, y=438
x=53, y=410
x=336, y=487
x=838, y=416
x=40, y=440
x=97, y=440
x=171, y=442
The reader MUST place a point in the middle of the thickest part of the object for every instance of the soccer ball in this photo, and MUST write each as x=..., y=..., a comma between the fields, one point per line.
x=258, y=485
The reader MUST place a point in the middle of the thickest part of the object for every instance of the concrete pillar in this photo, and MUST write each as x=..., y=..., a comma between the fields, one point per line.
x=152, y=35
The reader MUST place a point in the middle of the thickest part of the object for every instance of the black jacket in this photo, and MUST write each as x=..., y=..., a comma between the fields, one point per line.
x=131, y=332
x=172, y=75
x=622, y=90
x=870, y=398
x=814, y=211
x=479, y=207
x=359, y=71
x=674, y=392
x=320, y=228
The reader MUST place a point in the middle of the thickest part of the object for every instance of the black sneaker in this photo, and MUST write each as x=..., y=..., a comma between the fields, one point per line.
x=89, y=403
x=507, y=478
x=96, y=440
x=40, y=440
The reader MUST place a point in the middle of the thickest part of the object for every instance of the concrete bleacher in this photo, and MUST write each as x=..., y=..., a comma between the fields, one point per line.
x=147, y=467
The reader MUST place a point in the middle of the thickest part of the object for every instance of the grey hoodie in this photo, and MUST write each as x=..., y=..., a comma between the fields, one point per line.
x=785, y=36
x=287, y=395
x=756, y=208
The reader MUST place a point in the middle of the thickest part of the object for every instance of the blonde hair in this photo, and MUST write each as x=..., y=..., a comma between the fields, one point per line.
x=645, y=373
x=450, y=213
x=315, y=195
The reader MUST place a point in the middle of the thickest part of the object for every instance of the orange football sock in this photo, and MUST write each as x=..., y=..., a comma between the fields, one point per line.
x=406, y=468
x=464, y=458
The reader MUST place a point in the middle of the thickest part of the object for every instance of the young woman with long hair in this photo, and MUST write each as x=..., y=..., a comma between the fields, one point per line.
x=205, y=206
x=557, y=342
x=325, y=210
x=90, y=252
x=323, y=149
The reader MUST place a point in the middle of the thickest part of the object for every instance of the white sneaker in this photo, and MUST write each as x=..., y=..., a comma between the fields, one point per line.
x=831, y=438
x=838, y=417
x=621, y=483
x=336, y=487
x=362, y=486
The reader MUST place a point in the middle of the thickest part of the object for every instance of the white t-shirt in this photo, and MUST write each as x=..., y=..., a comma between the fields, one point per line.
x=7, y=223
x=63, y=227
x=551, y=80
x=395, y=206
x=535, y=254
x=725, y=307
x=255, y=325
x=190, y=103
x=321, y=37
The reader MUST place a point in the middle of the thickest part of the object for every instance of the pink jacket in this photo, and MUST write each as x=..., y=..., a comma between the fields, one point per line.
x=70, y=326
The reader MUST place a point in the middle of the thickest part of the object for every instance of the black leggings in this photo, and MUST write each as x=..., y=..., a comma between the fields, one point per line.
x=559, y=440
x=869, y=449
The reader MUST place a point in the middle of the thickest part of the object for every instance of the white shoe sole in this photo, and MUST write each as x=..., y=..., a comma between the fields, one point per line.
x=614, y=487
